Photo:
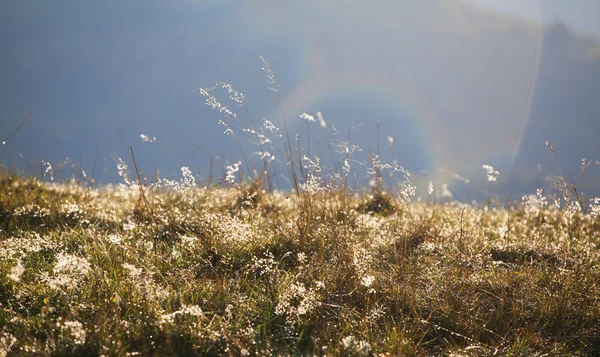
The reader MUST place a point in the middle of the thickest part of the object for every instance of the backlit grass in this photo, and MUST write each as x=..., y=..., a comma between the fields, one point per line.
x=239, y=271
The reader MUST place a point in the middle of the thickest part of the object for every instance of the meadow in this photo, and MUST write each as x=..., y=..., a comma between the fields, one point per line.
x=242, y=267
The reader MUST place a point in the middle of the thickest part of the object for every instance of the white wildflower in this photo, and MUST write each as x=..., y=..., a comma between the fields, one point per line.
x=75, y=329
x=346, y=167
x=72, y=210
x=133, y=271
x=31, y=209
x=362, y=260
x=228, y=130
x=234, y=95
x=6, y=341
x=147, y=139
x=492, y=174
x=68, y=271
x=503, y=230
x=114, y=239
x=271, y=127
x=187, y=182
x=17, y=271
x=301, y=258
x=20, y=246
x=594, y=207
x=258, y=137
x=430, y=188
x=407, y=190
x=188, y=241
x=48, y=169
x=307, y=117
x=148, y=245
x=265, y=155
x=143, y=282
x=445, y=192
x=535, y=203
x=187, y=179
x=123, y=169
x=186, y=310
x=129, y=226
x=296, y=301
x=270, y=75
x=322, y=121
x=229, y=230
x=212, y=102
x=231, y=170
x=264, y=266
x=367, y=281
x=573, y=208
x=355, y=347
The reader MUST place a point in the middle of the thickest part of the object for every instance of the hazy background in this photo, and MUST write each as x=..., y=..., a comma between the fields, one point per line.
x=456, y=84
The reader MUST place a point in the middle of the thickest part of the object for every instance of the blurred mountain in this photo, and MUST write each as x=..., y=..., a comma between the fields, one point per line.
x=566, y=106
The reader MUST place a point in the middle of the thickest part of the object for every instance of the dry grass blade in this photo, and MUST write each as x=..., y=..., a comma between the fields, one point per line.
x=141, y=185
x=12, y=135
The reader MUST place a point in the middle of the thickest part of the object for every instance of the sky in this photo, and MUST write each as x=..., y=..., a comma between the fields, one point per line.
x=455, y=84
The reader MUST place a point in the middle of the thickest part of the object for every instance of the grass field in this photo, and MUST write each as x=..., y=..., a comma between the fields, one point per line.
x=191, y=270
x=245, y=268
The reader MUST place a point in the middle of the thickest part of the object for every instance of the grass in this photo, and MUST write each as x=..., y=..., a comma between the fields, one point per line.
x=87, y=271
x=246, y=268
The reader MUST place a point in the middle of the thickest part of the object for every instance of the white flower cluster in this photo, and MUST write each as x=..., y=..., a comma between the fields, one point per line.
x=271, y=127
x=123, y=170
x=143, y=281
x=490, y=172
x=6, y=342
x=16, y=271
x=430, y=188
x=362, y=261
x=48, y=169
x=187, y=182
x=114, y=239
x=258, y=136
x=188, y=241
x=296, y=301
x=20, y=247
x=212, y=102
x=147, y=139
x=264, y=266
x=535, y=203
x=31, y=210
x=134, y=272
x=75, y=329
x=231, y=170
x=355, y=347
x=270, y=75
x=322, y=121
x=314, y=181
x=186, y=310
x=68, y=271
x=310, y=118
x=73, y=210
x=595, y=207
